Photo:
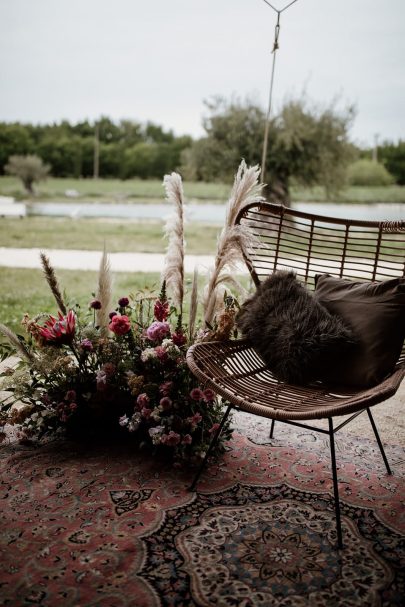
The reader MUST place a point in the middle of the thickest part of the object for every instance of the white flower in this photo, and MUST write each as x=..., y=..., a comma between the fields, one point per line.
x=170, y=348
x=123, y=421
x=148, y=354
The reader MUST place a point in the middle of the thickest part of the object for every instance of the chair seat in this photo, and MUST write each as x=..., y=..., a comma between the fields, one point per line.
x=234, y=370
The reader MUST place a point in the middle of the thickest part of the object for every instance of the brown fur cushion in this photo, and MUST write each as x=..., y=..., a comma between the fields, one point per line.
x=294, y=334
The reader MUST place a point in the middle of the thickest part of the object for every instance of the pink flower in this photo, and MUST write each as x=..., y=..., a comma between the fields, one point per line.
x=214, y=428
x=166, y=388
x=197, y=394
x=171, y=440
x=142, y=400
x=187, y=439
x=59, y=330
x=146, y=412
x=86, y=344
x=209, y=395
x=179, y=339
x=158, y=330
x=195, y=419
x=73, y=406
x=165, y=403
x=161, y=310
x=70, y=395
x=161, y=353
x=120, y=325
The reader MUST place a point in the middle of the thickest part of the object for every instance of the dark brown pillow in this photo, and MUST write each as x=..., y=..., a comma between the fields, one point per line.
x=375, y=311
x=294, y=334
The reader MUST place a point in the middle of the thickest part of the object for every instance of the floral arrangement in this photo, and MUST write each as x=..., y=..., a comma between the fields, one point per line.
x=123, y=366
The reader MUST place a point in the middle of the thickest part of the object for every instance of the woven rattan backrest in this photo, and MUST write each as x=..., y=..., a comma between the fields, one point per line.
x=315, y=244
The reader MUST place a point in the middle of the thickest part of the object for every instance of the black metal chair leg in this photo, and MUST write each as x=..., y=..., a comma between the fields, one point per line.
x=379, y=441
x=335, y=484
x=273, y=421
x=210, y=448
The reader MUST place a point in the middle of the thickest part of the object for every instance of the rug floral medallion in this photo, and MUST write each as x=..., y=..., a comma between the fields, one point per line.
x=97, y=525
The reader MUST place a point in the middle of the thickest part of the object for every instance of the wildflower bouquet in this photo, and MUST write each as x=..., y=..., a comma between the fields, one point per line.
x=122, y=367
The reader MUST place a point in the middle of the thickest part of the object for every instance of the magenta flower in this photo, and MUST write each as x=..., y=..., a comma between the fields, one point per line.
x=171, y=440
x=123, y=302
x=146, y=412
x=166, y=388
x=112, y=314
x=86, y=344
x=187, y=439
x=73, y=406
x=197, y=394
x=95, y=304
x=165, y=403
x=59, y=330
x=70, y=395
x=209, y=395
x=142, y=400
x=158, y=330
x=213, y=428
x=120, y=325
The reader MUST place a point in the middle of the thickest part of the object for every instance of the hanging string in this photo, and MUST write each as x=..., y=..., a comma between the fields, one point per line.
x=274, y=52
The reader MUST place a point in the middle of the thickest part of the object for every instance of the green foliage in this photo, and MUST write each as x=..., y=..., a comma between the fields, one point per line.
x=126, y=148
x=393, y=157
x=307, y=144
x=368, y=173
x=30, y=169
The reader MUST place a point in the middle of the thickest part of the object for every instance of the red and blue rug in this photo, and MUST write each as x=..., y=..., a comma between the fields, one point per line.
x=104, y=525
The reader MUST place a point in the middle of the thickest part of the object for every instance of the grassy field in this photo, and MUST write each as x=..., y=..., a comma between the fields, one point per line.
x=138, y=190
x=110, y=190
x=91, y=234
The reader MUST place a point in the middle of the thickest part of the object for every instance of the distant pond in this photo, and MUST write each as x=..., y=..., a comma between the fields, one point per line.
x=212, y=213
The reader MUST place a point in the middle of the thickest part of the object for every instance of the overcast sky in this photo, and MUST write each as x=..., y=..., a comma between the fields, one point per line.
x=159, y=59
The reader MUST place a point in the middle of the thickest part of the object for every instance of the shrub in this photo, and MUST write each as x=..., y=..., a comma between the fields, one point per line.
x=30, y=169
x=368, y=173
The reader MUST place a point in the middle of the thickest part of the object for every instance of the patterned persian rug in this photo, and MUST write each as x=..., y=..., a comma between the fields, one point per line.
x=97, y=525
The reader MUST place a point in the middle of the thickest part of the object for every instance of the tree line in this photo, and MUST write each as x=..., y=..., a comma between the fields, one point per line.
x=307, y=145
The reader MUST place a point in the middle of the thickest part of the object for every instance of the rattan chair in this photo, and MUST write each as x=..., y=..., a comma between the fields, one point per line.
x=309, y=244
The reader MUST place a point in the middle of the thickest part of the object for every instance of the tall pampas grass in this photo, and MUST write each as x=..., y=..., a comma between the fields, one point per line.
x=14, y=341
x=173, y=272
x=52, y=282
x=193, y=305
x=234, y=241
x=104, y=293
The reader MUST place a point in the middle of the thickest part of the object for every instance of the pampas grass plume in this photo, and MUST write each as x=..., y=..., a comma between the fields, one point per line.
x=173, y=272
x=104, y=293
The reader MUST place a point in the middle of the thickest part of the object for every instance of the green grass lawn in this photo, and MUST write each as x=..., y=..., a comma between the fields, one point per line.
x=91, y=234
x=138, y=190
x=110, y=190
